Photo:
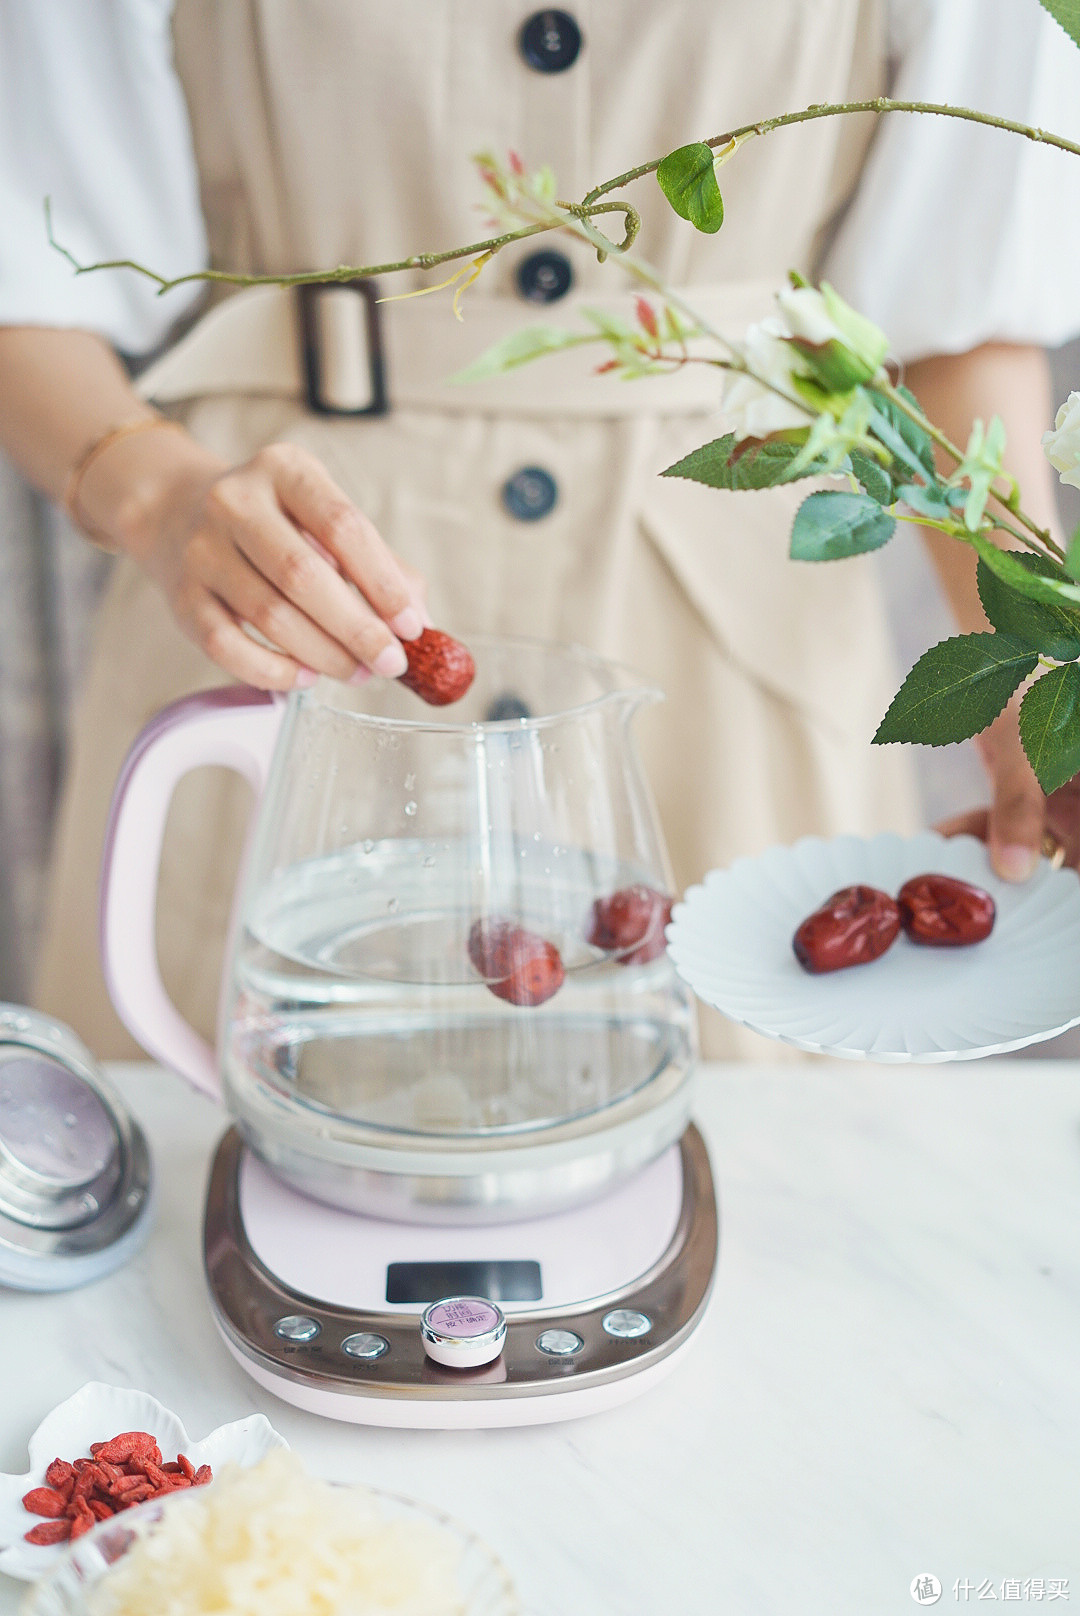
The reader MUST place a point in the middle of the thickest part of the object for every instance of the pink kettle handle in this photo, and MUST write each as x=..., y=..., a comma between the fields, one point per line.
x=237, y=727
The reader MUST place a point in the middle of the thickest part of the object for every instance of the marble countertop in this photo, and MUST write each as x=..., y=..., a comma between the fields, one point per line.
x=886, y=1383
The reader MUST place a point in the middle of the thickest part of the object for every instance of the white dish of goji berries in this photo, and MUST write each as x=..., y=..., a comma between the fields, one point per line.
x=97, y=1413
x=730, y=939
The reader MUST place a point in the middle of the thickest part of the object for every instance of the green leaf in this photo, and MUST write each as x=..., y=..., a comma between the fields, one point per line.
x=956, y=689
x=830, y=527
x=1067, y=13
x=925, y=499
x=981, y=465
x=688, y=180
x=1072, y=554
x=872, y=477
x=518, y=349
x=905, y=437
x=728, y=462
x=1050, y=726
x=1013, y=601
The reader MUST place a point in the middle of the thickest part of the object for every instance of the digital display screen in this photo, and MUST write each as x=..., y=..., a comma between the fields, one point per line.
x=509, y=1281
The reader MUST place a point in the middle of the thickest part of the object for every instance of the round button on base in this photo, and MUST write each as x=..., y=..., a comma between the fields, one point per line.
x=463, y=1332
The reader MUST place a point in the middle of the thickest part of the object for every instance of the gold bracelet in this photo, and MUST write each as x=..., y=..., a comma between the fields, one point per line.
x=125, y=429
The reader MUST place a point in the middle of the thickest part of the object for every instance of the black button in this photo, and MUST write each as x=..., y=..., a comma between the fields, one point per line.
x=530, y=493
x=544, y=277
x=550, y=41
x=506, y=708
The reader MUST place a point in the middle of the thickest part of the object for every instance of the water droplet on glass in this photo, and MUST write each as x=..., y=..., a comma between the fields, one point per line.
x=410, y=781
x=70, y=1119
x=369, y=846
x=392, y=905
x=536, y=835
x=429, y=862
x=410, y=808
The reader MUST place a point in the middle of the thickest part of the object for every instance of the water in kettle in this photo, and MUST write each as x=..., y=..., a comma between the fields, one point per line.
x=354, y=995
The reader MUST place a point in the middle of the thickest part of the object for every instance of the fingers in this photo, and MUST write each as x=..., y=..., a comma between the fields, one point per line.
x=1012, y=827
x=972, y=823
x=1063, y=821
x=1016, y=822
x=248, y=596
x=275, y=547
x=309, y=495
x=217, y=632
x=281, y=554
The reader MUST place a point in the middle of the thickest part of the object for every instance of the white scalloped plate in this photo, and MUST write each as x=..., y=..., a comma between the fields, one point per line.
x=730, y=941
x=94, y=1414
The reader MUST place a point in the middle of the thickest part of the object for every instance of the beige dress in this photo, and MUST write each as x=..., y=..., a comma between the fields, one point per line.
x=341, y=131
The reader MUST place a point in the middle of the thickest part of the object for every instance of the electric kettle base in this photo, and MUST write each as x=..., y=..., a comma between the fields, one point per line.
x=323, y=1307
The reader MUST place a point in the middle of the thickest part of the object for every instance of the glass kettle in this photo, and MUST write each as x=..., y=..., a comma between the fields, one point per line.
x=403, y=860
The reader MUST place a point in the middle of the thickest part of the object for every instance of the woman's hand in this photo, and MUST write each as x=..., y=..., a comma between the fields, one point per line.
x=272, y=546
x=1019, y=816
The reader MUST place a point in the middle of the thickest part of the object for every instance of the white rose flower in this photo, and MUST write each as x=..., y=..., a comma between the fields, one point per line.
x=823, y=320
x=753, y=409
x=804, y=309
x=1062, y=444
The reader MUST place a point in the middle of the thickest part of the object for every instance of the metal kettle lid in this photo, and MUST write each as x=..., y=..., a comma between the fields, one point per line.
x=74, y=1164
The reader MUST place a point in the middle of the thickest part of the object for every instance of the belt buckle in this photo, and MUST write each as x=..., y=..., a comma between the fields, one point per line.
x=326, y=374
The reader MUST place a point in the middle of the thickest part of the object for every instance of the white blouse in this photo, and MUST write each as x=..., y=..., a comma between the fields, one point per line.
x=92, y=115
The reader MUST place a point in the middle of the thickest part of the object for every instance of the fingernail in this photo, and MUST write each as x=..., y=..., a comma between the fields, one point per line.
x=408, y=624
x=360, y=677
x=305, y=679
x=391, y=662
x=1014, y=862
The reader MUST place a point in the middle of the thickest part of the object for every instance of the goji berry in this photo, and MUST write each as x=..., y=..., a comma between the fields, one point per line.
x=124, y=1471
x=45, y=1501
x=83, y=1518
x=49, y=1532
x=129, y=1445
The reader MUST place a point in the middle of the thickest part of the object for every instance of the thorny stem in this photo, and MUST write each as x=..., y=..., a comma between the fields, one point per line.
x=880, y=104
x=353, y=272
x=586, y=209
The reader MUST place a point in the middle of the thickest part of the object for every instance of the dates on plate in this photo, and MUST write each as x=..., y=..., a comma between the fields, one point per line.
x=853, y=927
x=941, y=911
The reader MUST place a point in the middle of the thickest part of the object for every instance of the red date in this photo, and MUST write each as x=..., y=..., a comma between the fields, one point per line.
x=940, y=911
x=632, y=922
x=518, y=965
x=853, y=927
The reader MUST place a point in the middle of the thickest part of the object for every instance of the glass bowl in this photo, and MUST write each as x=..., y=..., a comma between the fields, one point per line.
x=484, y=1584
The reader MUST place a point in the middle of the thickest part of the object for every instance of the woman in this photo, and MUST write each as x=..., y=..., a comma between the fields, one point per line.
x=341, y=133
